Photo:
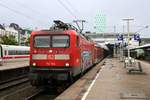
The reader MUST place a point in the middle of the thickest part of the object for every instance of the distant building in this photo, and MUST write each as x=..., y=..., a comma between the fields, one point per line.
x=107, y=38
x=100, y=22
x=2, y=30
x=12, y=31
x=21, y=35
x=25, y=35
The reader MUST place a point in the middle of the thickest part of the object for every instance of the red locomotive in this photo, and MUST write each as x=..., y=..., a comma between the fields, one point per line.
x=60, y=53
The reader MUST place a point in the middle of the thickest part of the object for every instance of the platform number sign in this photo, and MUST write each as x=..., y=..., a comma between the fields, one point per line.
x=137, y=37
x=120, y=37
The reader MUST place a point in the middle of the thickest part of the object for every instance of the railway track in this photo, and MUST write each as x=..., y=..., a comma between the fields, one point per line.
x=43, y=95
x=19, y=93
x=49, y=92
x=13, y=82
x=53, y=92
x=33, y=96
x=24, y=91
x=21, y=89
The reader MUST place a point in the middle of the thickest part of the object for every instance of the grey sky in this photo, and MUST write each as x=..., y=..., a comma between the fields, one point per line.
x=41, y=13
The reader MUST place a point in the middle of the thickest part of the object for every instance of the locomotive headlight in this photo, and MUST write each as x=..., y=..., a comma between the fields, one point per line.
x=67, y=64
x=50, y=51
x=34, y=64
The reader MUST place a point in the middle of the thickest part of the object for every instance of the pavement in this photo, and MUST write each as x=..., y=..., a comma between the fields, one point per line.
x=14, y=65
x=77, y=90
x=113, y=82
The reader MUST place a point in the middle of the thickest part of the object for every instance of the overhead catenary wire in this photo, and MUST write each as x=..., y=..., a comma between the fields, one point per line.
x=143, y=28
x=30, y=9
x=2, y=4
x=67, y=9
x=75, y=10
x=70, y=11
x=19, y=13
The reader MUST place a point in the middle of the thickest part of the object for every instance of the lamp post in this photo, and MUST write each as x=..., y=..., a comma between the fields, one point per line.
x=114, y=41
x=128, y=30
x=142, y=29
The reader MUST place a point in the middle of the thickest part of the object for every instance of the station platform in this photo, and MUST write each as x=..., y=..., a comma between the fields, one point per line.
x=12, y=70
x=113, y=82
x=14, y=65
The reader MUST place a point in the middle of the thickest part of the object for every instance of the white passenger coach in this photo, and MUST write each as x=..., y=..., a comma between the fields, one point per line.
x=12, y=53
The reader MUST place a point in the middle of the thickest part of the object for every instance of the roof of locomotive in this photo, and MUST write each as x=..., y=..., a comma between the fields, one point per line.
x=40, y=32
x=69, y=32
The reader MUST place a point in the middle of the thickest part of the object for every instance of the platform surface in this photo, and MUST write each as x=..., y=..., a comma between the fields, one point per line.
x=115, y=83
x=14, y=65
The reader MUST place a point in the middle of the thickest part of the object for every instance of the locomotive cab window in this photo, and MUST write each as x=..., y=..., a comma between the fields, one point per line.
x=42, y=41
x=60, y=41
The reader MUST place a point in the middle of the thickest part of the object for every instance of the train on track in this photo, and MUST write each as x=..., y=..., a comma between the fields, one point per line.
x=61, y=53
x=12, y=53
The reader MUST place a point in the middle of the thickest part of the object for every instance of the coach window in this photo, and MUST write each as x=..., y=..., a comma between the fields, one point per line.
x=26, y=52
x=42, y=41
x=5, y=52
x=60, y=41
x=0, y=52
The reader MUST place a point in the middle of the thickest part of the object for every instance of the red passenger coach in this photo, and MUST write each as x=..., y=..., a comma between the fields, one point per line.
x=98, y=53
x=59, y=54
